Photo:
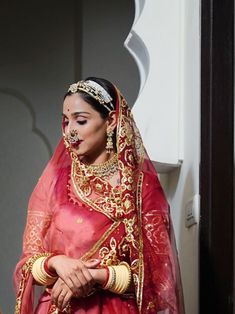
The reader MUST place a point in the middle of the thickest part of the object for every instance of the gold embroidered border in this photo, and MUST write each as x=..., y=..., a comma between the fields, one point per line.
x=26, y=270
x=39, y=213
x=123, y=106
x=85, y=199
x=141, y=257
x=96, y=246
x=36, y=227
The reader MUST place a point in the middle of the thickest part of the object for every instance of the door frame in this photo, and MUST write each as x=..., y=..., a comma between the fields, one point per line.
x=216, y=258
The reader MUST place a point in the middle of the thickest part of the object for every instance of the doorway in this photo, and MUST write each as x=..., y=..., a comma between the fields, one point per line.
x=217, y=157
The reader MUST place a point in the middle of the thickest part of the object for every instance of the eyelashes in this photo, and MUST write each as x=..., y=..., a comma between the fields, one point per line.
x=80, y=122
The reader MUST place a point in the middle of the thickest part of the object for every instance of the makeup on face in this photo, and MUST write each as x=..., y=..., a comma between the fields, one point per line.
x=84, y=128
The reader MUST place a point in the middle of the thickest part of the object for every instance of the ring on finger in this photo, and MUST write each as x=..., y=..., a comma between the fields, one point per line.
x=77, y=293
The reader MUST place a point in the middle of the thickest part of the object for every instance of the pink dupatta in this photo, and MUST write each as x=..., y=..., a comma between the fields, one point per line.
x=130, y=222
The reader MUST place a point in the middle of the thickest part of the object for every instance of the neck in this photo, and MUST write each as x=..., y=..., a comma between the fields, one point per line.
x=96, y=160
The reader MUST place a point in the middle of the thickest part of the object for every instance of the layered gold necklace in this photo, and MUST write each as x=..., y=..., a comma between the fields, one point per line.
x=105, y=170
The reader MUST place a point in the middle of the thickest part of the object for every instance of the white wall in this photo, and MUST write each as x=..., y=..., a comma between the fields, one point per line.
x=182, y=34
x=184, y=183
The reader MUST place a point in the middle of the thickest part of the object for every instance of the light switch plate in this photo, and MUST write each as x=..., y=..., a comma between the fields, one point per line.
x=192, y=211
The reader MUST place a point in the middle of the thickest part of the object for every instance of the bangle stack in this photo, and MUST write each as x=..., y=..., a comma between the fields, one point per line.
x=119, y=278
x=40, y=274
x=46, y=266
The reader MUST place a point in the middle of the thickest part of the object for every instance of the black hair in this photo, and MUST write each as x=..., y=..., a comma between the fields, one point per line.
x=110, y=89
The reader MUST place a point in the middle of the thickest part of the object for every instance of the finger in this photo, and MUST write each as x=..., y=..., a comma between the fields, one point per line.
x=82, y=288
x=86, y=279
x=56, y=291
x=66, y=300
x=89, y=279
x=71, y=281
x=92, y=263
x=61, y=299
x=86, y=273
x=74, y=283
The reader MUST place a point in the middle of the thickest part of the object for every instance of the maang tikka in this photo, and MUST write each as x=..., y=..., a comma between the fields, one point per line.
x=109, y=145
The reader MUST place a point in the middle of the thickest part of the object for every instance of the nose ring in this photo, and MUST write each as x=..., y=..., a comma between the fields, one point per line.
x=73, y=137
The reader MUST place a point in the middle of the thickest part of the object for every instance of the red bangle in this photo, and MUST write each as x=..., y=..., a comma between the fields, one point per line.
x=107, y=277
x=46, y=267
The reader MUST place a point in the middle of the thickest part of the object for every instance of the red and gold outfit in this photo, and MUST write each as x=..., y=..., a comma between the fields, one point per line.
x=82, y=216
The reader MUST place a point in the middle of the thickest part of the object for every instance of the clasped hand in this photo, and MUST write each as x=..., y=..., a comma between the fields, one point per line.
x=75, y=278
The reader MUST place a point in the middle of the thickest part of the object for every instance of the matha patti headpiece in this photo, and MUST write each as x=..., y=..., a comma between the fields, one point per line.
x=95, y=90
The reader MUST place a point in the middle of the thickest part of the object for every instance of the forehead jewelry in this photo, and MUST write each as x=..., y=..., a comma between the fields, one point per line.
x=95, y=90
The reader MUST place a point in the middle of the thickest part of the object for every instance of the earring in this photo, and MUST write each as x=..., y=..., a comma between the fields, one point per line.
x=66, y=143
x=109, y=145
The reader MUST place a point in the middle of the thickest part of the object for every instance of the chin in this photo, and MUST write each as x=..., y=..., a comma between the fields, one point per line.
x=77, y=151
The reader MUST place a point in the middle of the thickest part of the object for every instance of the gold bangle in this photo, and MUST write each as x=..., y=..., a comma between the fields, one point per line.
x=119, y=278
x=40, y=274
x=112, y=278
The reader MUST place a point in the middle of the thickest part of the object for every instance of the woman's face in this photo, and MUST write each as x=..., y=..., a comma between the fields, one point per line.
x=90, y=127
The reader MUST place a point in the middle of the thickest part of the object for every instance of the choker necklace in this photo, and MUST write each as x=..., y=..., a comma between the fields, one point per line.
x=104, y=170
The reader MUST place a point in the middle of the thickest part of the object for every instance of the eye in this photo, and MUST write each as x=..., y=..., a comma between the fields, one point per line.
x=81, y=122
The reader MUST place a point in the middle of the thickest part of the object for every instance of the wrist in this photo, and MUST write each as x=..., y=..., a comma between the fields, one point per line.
x=99, y=275
x=48, y=265
x=51, y=262
x=106, y=277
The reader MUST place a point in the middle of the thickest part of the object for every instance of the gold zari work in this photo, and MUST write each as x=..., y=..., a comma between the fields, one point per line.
x=121, y=203
x=104, y=170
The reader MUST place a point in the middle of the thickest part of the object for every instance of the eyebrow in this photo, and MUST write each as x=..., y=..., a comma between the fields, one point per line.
x=75, y=114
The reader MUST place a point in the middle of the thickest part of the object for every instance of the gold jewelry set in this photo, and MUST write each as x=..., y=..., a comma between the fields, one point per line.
x=119, y=278
x=73, y=138
x=95, y=90
x=39, y=273
x=109, y=145
x=104, y=170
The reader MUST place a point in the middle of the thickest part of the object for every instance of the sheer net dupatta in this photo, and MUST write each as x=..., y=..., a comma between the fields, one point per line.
x=150, y=235
x=40, y=209
x=162, y=288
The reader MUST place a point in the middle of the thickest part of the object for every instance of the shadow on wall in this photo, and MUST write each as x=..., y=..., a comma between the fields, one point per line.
x=23, y=155
x=42, y=69
x=182, y=183
x=103, y=51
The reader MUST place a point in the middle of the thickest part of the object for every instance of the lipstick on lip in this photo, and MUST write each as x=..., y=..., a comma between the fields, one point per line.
x=76, y=144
